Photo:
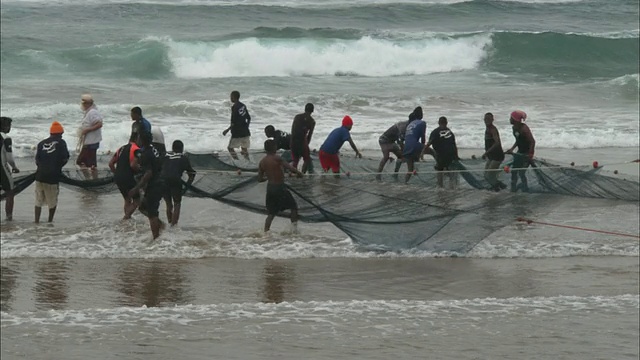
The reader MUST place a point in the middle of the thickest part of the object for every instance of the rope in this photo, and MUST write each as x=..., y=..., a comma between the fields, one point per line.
x=529, y=221
x=239, y=172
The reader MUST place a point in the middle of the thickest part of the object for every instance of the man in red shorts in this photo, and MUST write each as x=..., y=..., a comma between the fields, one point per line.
x=330, y=150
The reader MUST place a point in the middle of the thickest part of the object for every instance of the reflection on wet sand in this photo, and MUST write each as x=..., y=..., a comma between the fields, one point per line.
x=278, y=282
x=152, y=284
x=51, y=288
x=7, y=287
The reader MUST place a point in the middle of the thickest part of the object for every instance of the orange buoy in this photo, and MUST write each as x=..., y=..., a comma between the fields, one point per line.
x=507, y=169
x=595, y=164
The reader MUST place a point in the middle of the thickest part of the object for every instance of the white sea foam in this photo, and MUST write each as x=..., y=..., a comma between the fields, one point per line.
x=202, y=121
x=321, y=311
x=335, y=57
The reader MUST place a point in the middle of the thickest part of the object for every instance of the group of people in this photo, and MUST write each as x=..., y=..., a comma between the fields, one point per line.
x=145, y=172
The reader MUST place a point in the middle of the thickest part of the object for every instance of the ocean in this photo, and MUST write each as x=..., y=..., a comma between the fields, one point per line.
x=90, y=286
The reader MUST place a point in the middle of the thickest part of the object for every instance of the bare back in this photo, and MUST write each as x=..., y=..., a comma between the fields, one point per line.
x=271, y=167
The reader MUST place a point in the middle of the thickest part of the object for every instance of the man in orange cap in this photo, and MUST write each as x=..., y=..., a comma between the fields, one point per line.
x=526, y=146
x=330, y=150
x=51, y=155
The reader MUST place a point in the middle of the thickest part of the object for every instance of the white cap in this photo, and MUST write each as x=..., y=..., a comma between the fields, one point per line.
x=87, y=97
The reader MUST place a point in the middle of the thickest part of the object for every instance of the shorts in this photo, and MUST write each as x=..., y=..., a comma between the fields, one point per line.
x=413, y=155
x=329, y=161
x=151, y=201
x=520, y=161
x=388, y=148
x=47, y=194
x=300, y=151
x=443, y=163
x=88, y=156
x=125, y=186
x=279, y=199
x=173, y=190
x=243, y=142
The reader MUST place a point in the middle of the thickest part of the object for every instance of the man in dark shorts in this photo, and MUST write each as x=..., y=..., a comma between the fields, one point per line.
x=175, y=164
x=283, y=141
x=7, y=166
x=526, y=146
x=124, y=165
x=301, y=132
x=414, y=140
x=278, y=197
x=151, y=181
x=444, y=146
x=493, y=153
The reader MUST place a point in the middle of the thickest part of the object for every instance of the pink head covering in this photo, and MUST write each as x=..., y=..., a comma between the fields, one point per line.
x=519, y=115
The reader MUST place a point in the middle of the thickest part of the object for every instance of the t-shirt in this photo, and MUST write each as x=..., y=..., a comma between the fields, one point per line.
x=158, y=140
x=335, y=140
x=394, y=134
x=150, y=159
x=302, y=125
x=91, y=118
x=138, y=126
x=283, y=140
x=175, y=164
x=240, y=120
x=51, y=155
x=443, y=142
x=414, y=137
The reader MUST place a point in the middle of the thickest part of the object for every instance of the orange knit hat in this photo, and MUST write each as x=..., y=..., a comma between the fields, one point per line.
x=56, y=128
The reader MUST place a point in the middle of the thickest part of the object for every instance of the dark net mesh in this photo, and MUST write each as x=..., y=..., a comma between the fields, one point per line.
x=385, y=213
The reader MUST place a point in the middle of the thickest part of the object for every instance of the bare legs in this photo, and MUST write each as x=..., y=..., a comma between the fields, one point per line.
x=8, y=206
x=294, y=221
x=38, y=211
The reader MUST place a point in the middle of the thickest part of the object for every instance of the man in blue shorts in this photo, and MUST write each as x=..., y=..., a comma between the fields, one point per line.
x=414, y=141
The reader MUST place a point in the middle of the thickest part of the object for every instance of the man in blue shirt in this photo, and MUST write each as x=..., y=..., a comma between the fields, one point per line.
x=139, y=125
x=414, y=140
x=330, y=149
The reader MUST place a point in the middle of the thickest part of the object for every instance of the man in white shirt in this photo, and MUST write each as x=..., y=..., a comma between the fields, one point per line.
x=158, y=139
x=90, y=133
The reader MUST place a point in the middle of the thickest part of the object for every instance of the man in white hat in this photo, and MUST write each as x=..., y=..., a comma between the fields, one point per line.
x=90, y=133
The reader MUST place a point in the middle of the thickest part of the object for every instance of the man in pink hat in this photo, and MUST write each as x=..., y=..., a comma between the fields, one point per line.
x=330, y=150
x=526, y=146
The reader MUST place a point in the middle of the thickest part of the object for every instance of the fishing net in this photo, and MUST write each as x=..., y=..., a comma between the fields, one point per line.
x=385, y=213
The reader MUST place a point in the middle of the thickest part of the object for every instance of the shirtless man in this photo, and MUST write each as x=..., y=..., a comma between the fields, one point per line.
x=7, y=166
x=278, y=197
x=526, y=146
x=301, y=132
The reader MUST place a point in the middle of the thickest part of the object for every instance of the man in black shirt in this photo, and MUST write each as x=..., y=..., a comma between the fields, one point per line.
x=240, y=134
x=444, y=146
x=282, y=139
x=151, y=182
x=175, y=164
x=51, y=155
x=124, y=165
